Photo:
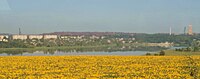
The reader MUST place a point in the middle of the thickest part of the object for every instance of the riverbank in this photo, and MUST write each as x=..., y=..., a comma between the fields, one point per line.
x=80, y=50
x=99, y=47
x=172, y=52
x=179, y=53
x=103, y=48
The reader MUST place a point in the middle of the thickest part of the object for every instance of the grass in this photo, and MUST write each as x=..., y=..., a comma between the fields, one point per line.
x=179, y=53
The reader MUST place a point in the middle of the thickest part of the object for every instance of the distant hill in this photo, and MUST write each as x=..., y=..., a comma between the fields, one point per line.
x=4, y=34
x=89, y=33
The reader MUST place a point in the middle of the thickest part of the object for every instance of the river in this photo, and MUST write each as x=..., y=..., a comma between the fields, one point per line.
x=75, y=52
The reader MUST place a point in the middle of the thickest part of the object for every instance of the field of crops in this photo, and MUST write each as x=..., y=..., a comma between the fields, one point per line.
x=103, y=67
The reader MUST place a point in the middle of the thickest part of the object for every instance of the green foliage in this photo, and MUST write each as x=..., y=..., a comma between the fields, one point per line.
x=148, y=54
x=155, y=54
x=15, y=44
x=162, y=53
x=182, y=40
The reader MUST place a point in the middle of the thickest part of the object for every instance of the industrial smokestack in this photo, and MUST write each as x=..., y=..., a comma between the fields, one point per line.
x=184, y=30
x=170, y=31
x=20, y=31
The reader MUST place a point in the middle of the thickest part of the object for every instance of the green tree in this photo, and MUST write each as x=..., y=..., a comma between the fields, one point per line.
x=162, y=53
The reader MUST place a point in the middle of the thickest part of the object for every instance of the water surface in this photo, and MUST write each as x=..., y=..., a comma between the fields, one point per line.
x=62, y=53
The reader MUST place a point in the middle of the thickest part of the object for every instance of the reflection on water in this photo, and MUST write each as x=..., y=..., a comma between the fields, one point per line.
x=61, y=53
x=81, y=51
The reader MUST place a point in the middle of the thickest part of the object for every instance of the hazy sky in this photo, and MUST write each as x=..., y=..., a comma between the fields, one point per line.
x=148, y=16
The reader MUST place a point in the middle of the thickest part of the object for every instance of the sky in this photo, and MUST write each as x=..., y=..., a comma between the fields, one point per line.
x=137, y=16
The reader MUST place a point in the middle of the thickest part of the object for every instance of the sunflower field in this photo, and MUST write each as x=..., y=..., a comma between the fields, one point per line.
x=100, y=67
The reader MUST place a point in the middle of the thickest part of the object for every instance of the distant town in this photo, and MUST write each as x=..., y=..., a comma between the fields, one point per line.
x=63, y=35
x=101, y=38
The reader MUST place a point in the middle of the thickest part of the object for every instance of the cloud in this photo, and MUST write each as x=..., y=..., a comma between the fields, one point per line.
x=4, y=6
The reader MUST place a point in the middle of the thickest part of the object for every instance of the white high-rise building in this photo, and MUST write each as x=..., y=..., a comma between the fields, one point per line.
x=170, y=31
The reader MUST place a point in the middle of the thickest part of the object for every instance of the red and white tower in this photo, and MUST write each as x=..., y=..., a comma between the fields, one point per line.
x=190, y=32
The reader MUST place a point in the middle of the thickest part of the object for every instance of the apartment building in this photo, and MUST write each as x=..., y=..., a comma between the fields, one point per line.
x=35, y=36
x=20, y=37
x=50, y=36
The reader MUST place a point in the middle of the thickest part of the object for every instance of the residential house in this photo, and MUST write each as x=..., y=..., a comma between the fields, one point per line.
x=4, y=38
